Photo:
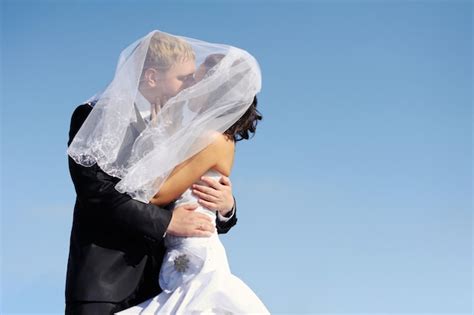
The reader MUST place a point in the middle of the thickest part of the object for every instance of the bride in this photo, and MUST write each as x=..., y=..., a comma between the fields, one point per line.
x=181, y=138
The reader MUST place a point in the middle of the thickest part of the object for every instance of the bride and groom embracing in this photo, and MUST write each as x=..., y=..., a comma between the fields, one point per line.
x=150, y=158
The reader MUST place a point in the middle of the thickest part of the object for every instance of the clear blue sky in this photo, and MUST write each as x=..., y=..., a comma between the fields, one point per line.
x=355, y=196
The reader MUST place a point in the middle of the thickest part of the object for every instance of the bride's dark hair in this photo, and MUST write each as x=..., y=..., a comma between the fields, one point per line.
x=246, y=124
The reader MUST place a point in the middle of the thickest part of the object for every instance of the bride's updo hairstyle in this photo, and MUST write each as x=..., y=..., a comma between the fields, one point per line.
x=246, y=126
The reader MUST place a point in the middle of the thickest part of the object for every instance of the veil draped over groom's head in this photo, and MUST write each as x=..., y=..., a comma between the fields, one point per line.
x=170, y=96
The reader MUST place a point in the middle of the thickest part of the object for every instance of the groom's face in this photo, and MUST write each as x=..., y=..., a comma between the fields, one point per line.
x=174, y=80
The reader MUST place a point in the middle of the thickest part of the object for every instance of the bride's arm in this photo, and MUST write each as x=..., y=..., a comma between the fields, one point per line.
x=191, y=170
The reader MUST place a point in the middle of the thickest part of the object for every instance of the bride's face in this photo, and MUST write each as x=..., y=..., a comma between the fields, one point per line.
x=200, y=73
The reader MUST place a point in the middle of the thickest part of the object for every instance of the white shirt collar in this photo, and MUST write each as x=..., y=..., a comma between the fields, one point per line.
x=143, y=105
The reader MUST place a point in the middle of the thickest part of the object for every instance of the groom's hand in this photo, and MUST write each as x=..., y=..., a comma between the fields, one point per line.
x=186, y=222
x=218, y=196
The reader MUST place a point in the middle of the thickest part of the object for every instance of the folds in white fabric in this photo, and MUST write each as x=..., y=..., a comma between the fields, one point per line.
x=180, y=265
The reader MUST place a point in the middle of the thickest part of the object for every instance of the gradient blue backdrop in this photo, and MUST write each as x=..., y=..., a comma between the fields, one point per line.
x=355, y=196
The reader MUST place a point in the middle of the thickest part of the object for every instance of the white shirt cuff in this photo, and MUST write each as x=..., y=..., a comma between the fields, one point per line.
x=225, y=219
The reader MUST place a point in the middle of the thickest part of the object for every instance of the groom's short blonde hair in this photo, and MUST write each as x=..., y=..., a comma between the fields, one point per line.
x=166, y=50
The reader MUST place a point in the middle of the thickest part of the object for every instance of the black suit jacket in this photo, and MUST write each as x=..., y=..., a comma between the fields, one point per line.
x=116, y=246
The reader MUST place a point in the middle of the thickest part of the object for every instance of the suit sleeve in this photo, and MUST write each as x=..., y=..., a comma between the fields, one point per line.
x=96, y=190
x=224, y=226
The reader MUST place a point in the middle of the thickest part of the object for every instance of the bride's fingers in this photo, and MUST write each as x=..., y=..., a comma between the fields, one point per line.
x=204, y=196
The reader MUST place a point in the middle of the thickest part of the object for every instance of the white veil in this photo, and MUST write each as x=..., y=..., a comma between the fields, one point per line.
x=140, y=141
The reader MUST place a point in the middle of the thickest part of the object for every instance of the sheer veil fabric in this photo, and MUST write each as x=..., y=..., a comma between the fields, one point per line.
x=142, y=126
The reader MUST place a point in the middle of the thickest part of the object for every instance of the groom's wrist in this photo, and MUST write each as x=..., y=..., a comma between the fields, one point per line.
x=228, y=214
x=225, y=218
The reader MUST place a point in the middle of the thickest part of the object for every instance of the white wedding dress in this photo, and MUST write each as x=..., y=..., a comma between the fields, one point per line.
x=195, y=276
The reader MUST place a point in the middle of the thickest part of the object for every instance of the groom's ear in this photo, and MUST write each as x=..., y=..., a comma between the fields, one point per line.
x=151, y=77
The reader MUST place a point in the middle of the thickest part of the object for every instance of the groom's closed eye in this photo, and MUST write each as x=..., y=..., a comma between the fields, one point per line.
x=187, y=81
x=186, y=78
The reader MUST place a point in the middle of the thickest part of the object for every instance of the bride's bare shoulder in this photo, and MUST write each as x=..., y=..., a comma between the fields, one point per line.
x=224, y=148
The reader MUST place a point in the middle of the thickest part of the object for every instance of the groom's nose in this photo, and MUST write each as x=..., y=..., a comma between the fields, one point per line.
x=188, y=82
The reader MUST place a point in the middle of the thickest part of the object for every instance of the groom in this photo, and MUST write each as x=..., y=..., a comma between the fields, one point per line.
x=116, y=245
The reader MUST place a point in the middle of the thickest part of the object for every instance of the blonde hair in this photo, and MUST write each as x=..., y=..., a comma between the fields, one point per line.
x=165, y=50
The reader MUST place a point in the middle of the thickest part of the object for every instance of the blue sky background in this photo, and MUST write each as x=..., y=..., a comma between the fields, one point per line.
x=354, y=197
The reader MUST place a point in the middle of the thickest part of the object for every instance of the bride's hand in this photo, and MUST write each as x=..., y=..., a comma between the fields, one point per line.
x=218, y=196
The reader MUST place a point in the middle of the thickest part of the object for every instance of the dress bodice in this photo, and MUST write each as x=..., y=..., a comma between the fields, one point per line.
x=188, y=197
x=187, y=256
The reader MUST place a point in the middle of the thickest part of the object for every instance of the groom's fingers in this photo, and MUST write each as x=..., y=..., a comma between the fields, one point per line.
x=211, y=182
x=225, y=181
x=204, y=196
x=206, y=190
x=187, y=222
x=208, y=205
x=200, y=217
x=204, y=226
x=201, y=221
x=190, y=206
x=199, y=233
